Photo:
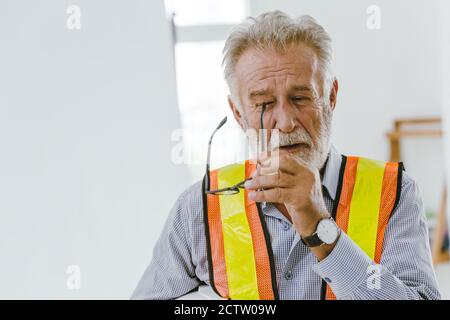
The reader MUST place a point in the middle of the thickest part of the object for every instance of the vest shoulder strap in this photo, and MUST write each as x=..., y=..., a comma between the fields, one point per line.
x=367, y=194
x=240, y=257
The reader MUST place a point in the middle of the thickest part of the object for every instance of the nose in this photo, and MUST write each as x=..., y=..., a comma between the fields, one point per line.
x=285, y=117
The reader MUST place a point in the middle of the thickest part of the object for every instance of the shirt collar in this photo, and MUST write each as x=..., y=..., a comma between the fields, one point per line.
x=331, y=174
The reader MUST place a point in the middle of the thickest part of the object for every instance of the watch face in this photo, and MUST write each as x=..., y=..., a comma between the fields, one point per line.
x=327, y=231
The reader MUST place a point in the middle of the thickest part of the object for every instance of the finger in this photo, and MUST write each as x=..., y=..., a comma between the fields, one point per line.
x=268, y=163
x=281, y=161
x=279, y=179
x=265, y=155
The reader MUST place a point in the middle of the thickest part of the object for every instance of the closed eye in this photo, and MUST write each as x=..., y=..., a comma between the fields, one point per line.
x=267, y=103
x=300, y=98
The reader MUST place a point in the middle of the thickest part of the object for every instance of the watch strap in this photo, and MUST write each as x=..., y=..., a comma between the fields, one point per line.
x=312, y=240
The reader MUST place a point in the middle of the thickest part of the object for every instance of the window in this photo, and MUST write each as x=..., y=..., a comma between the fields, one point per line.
x=201, y=29
x=207, y=12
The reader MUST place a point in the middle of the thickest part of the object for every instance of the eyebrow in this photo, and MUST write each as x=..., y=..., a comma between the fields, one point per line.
x=302, y=88
x=265, y=92
x=259, y=93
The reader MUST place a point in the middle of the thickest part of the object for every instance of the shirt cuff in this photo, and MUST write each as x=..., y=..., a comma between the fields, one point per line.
x=345, y=268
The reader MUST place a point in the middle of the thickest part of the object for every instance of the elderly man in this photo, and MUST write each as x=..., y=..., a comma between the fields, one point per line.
x=322, y=225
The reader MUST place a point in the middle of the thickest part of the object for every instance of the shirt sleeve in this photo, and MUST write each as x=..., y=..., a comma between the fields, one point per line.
x=171, y=273
x=405, y=270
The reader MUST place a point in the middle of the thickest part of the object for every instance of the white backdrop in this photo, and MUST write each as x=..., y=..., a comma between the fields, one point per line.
x=86, y=118
x=444, y=9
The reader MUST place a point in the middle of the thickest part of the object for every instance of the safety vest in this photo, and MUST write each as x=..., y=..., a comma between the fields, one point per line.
x=240, y=257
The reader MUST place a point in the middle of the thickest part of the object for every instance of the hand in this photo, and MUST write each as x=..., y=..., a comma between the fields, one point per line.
x=286, y=179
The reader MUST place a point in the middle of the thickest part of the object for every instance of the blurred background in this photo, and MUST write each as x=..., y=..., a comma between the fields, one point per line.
x=106, y=108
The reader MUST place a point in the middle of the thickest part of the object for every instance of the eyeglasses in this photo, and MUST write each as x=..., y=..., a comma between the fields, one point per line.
x=223, y=191
x=232, y=189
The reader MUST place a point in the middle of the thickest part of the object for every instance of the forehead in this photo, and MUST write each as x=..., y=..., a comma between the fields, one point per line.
x=298, y=65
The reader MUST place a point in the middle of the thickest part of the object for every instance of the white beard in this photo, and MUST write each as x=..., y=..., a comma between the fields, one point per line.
x=317, y=153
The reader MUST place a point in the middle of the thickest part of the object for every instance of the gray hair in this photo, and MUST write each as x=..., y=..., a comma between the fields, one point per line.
x=276, y=30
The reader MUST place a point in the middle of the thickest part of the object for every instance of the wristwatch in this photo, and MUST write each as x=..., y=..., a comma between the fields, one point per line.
x=327, y=232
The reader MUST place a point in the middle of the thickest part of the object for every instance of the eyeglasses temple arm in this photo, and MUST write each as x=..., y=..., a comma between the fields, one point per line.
x=264, y=105
x=208, y=157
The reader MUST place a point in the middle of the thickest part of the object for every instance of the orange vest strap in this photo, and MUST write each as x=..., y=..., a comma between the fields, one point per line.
x=216, y=242
x=386, y=198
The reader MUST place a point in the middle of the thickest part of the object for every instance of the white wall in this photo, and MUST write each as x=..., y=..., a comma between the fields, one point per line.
x=444, y=18
x=393, y=72
x=85, y=123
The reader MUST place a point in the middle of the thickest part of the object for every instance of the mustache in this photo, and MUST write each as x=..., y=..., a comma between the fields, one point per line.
x=281, y=139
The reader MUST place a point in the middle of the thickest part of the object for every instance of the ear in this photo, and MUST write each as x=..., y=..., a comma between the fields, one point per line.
x=236, y=112
x=333, y=93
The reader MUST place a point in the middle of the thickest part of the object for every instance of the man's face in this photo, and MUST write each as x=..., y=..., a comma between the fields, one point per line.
x=291, y=85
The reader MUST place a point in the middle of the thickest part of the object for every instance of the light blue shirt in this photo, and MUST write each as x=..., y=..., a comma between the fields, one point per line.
x=179, y=264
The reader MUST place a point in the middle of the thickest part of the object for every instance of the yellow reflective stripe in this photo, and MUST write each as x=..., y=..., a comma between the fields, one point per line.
x=365, y=205
x=237, y=238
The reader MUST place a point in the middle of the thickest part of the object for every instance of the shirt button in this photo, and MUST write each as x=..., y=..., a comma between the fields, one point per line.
x=327, y=280
x=288, y=275
x=286, y=226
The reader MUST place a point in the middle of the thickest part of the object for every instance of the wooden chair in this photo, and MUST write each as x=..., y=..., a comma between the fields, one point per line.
x=395, y=136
